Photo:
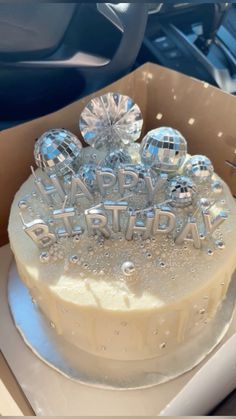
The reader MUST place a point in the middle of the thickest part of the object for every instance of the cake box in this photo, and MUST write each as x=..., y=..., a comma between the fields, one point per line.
x=203, y=114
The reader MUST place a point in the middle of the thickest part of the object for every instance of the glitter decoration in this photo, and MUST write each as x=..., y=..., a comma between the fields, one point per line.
x=182, y=191
x=128, y=268
x=116, y=159
x=58, y=151
x=87, y=173
x=163, y=149
x=110, y=121
x=220, y=244
x=44, y=257
x=199, y=168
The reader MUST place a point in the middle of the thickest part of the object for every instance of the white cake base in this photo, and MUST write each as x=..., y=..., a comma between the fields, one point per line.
x=52, y=394
x=96, y=371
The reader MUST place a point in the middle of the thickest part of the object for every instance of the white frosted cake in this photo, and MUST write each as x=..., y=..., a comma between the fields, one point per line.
x=129, y=273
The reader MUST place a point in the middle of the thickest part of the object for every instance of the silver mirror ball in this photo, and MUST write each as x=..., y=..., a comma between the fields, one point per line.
x=163, y=149
x=58, y=151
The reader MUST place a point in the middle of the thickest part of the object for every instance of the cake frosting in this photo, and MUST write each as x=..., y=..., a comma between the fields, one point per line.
x=95, y=301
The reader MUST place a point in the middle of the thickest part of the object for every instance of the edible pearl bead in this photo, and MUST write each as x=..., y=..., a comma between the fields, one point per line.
x=44, y=257
x=22, y=204
x=128, y=268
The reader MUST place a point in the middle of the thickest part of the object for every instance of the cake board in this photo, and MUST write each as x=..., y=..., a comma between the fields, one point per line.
x=50, y=393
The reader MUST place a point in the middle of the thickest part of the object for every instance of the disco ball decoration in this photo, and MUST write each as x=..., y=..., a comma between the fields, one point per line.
x=116, y=159
x=182, y=191
x=111, y=121
x=58, y=151
x=199, y=168
x=87, y=173
x=163, y=149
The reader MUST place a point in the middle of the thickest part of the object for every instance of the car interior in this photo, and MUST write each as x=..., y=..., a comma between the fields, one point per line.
x=52, y=54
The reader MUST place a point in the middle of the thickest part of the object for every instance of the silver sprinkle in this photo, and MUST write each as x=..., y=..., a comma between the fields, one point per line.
x=220, y=244
x=128, y=268
x=74, y=259
x=44, y=257
x=22, y=204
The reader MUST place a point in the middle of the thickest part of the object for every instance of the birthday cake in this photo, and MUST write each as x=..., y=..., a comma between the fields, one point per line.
x=127, y=249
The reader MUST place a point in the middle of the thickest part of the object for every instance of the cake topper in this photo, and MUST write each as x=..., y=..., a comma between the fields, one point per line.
x=58, y=150
x=199, y=168
x=163, y=149
x=115, y=186
x=111, y=121
x=182, y=191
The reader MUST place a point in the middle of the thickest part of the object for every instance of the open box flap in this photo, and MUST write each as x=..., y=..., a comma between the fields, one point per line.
x=204, y=114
